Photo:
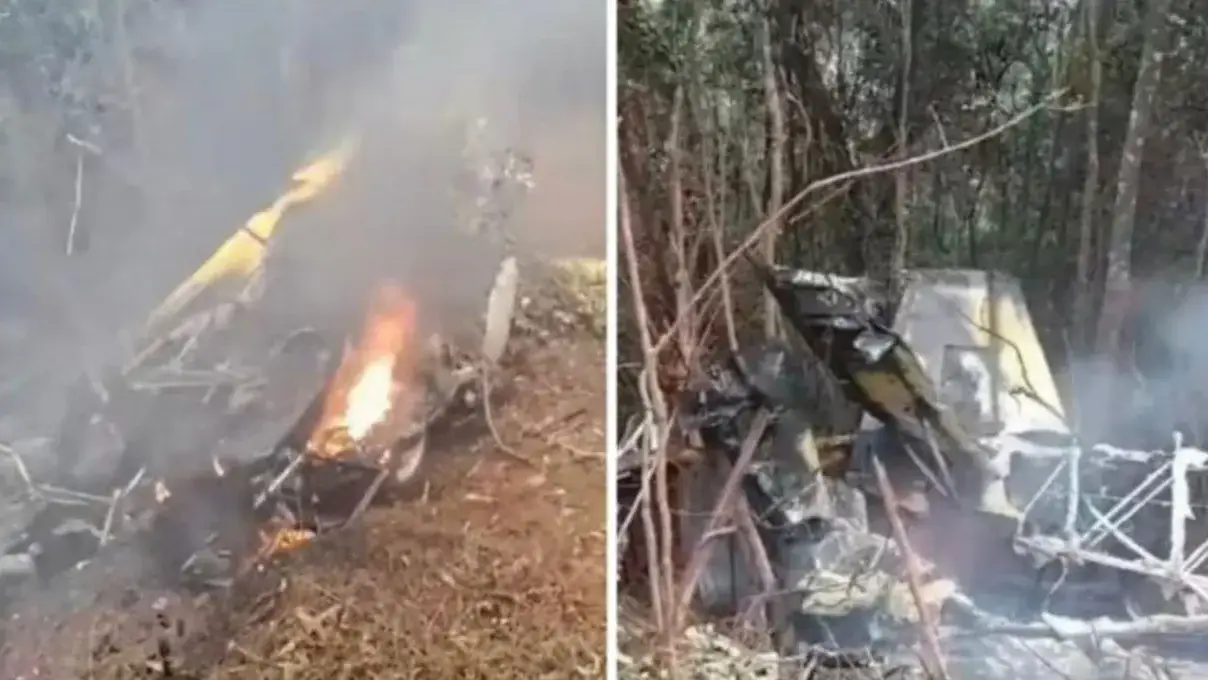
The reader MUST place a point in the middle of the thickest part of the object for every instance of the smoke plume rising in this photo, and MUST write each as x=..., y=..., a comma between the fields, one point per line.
x=234, y=96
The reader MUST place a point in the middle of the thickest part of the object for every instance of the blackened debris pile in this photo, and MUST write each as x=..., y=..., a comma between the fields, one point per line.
x=1022, y=532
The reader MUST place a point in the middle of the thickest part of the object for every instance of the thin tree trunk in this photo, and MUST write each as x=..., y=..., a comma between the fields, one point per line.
x=1119, y=254
x=129, y=82
x=1084, y=294
x=897, y=262
x=687, y=332
x=679, y=236
x=776, y=138
x=661, y=584
x=1201, y=248
x=715, y=210
x=746, y=169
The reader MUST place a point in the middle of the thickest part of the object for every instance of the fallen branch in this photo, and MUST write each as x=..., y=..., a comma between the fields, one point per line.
x=759, y=558
x=22, y=470
x=1063, y=628
x=931, y=654
x=500, y=445
x=49, y=492
x=107, y=528
x=704, y=547
x=75, y=209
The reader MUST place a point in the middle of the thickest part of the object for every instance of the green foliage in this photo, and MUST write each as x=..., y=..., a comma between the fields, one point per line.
x=1012, y=203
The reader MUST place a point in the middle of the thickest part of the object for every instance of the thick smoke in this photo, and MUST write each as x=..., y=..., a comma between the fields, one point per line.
x=234, y=96
x=1157, y=384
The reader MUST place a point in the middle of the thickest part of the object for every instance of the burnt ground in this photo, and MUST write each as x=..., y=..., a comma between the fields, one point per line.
x=491, y=567
x=494, y=568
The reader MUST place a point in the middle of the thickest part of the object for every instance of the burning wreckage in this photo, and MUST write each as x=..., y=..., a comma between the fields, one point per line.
x=990, y=523
x=279, y=431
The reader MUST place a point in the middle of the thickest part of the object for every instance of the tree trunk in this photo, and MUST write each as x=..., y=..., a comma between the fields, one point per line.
x=897, y=260
x=681, y=274
x=776, y=138
x=1084, y=293
x=1119, y=254
x=1201, y=248
x=884, y=239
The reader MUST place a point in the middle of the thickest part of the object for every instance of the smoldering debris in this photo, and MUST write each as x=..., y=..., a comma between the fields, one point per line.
x=1018, y=551
x=192, y=532
x=232, y=437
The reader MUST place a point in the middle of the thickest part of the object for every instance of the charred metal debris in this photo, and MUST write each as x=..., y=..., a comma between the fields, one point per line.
x=1023, y=532
x=229, y=437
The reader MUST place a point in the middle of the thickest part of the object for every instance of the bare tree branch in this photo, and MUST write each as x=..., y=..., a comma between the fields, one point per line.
x=840, y=179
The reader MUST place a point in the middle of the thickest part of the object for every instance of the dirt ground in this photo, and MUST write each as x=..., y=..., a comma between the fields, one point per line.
x=494, y=569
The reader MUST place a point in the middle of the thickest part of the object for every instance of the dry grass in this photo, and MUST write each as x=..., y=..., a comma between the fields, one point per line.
x=496, y=569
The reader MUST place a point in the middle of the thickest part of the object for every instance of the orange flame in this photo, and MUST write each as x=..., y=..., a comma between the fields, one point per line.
x=369, y=400
x=369, y=382
x=283, y=540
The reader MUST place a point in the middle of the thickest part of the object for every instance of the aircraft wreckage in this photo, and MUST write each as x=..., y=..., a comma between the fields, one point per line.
x=248, y=421
x=1022, y=529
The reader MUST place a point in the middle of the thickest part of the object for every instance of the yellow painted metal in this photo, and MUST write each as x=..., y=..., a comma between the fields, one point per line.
x=974, y=309
x=241, y=255
x=1021, y=358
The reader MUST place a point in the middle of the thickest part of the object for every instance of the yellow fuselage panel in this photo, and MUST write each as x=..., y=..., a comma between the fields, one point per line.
x=944, y=309
x=242, y=254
